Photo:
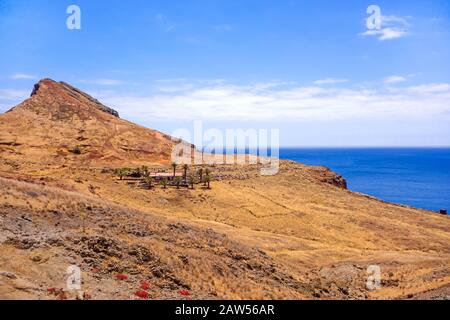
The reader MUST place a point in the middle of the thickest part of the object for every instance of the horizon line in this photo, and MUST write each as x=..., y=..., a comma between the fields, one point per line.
x=334, y=147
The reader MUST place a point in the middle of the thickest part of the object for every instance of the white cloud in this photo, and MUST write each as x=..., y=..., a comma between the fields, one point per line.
x=392, y=33
x=386, y=33
x=23, y=76
x=392, y=27
x=426, y=89
x=394, y=79
x=330, y=81
x=396, y=21
x=226, y=101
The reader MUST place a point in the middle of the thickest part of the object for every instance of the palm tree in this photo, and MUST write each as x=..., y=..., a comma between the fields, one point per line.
x=144, y=171
x=149, y=182
x=207, y=181
x=200, y=173
x=164, y=183
x=185, y=169
x=178, y=182
x=120, y=172
x=191, y=181
x=174, y=166
x=117, y=173
x=207, y=173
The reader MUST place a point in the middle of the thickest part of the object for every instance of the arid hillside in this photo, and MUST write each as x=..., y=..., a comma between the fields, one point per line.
x=44, y=230
x=59, y=124
x=296, y=235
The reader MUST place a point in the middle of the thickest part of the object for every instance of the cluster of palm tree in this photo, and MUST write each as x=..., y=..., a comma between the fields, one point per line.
x=144, y=173
x=122, y=172
x=202, y=176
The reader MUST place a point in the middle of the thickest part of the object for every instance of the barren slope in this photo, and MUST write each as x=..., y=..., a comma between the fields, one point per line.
x=43, y=229
x=58, y=120
x=320, y=236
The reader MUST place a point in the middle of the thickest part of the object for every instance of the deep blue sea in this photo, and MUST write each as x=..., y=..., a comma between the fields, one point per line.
x=418, y=177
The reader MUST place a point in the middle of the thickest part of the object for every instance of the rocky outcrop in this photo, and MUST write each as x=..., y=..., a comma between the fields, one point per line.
x=75, y=93
x=60, y=123
x=328, y=176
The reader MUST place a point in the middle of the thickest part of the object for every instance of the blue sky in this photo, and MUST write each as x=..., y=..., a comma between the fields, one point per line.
x=309, y=68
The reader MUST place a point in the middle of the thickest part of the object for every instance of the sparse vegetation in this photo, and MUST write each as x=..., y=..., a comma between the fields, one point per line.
x=174, y=167
x=177, y=182
x=149, y=182
x=121, y=172
x=122, y=276
x=76, y=150
x=147, y=178
x=208, y=181
x=142, y=294
x=144, y=285
x=144, y=171
x=164, y=183
x=200, y=174
x=185, y=169
x=184, y=293
x=191, y=181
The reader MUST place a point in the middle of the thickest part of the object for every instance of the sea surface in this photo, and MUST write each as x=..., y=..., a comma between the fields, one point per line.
x=418, y=177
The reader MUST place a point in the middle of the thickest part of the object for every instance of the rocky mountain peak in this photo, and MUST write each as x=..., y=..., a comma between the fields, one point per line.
x=52, y=93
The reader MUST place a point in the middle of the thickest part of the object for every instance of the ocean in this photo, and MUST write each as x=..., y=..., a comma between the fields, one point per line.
x=419, y=177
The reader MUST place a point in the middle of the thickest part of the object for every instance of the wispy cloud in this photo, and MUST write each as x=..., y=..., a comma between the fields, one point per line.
x=398, y=79
x=11, y=97
x=426, y=89
x=226, y=101
x=436, y=19
x=394, y=79
x=23, y=76
x=330, y=81
x=392, y=27
x=13, y=94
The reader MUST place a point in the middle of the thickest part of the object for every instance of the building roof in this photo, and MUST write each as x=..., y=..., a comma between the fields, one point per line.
x=165, y=175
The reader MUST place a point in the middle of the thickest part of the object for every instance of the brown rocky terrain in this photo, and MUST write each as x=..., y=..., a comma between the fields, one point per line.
x=297, y=235
x=70, y=126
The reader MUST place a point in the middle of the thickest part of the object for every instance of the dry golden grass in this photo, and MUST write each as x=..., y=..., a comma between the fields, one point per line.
x=318, y=233
x=299, y=221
